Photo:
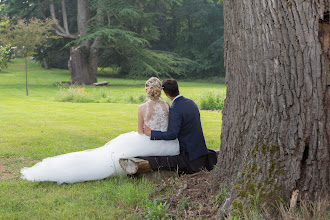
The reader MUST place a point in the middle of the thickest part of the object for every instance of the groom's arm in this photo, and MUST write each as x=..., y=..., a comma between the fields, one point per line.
x=175, y=120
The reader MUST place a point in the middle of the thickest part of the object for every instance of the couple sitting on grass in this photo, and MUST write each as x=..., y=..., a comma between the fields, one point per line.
x=170, y=138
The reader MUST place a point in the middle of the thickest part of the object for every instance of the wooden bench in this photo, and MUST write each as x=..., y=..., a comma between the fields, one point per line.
x=134, y=165
x=105, y=83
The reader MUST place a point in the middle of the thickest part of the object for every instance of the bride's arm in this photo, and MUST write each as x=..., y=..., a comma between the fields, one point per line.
x=140, y=120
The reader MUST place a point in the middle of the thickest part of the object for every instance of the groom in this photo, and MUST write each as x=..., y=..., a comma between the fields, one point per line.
x=184, y=124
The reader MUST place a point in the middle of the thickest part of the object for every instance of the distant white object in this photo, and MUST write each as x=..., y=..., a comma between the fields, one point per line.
x=105, y=83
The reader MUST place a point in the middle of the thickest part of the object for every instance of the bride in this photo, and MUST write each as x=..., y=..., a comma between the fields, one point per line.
x=103, y=162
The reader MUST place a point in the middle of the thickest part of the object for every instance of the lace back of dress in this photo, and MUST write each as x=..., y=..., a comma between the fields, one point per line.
x=156, y=116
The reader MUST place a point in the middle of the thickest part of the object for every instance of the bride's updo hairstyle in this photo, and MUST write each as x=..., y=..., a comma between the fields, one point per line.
x=154, y=88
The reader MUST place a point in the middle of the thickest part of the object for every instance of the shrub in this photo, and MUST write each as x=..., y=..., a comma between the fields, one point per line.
x=6, y=54
x=131, y=100
x=212, y=100
x=142, y=98
x=94, y=95
x=75, y=94
x=221, y=196
x=156, y=210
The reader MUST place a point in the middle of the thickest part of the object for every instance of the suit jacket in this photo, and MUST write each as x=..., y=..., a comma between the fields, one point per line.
x=184, y=124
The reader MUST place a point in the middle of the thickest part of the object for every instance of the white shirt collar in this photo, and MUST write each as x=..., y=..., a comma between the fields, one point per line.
x=176, y=97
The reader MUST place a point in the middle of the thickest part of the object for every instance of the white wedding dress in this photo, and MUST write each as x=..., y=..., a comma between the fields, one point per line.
x=103, y=162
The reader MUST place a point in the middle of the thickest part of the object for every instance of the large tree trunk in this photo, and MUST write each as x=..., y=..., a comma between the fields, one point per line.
x=83, y=71
x=83, y=61
x=276, y=119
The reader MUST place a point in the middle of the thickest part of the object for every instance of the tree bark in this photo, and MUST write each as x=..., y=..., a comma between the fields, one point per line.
x=83, y=61
x=63, y=32
x=276, y=120
x=65, y=17
x=82, y=71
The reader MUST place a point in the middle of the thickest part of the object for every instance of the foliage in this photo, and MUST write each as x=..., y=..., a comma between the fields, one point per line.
x=156, y=210
x=205, y=99
x=158, y=63
x=20, y=9
x=212, y=100
x=75, y=95
x=96, y=95
x=54, y=54
x=201, y=36
x=25, y=35
x=6, y=54
x=194, y=29
x=125, y=41
x=221, y=196
x=176, y=38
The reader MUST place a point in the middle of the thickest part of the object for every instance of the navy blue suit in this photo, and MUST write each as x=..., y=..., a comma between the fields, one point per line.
x=184, y=124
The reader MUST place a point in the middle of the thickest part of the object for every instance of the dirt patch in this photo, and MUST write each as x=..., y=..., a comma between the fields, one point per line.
x=189, y=196
x=10, y=167
x=4, y=173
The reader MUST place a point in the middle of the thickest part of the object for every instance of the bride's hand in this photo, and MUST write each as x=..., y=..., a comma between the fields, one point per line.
x=147, y=131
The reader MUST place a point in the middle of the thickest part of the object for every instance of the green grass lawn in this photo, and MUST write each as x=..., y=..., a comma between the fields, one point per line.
x=37, y=126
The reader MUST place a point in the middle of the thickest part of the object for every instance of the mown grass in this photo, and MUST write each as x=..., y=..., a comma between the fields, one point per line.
x=111, y=198
x=37, y=126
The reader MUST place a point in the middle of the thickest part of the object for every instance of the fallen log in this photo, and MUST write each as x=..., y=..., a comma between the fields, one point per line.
x=135, y=165
x=139, y=166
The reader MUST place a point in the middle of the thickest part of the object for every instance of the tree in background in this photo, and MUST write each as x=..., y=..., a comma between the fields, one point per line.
x=6, y=54
x=55, y=55
x=26, y=36
x=275, y=135
x=125, y=37
x=194, y=30
x=200, y=37
x=140, y=37
x=5, y=51
x=19, y=9
x=71, y=22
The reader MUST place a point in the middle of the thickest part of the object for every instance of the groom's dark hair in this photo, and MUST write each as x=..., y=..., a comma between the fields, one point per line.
x=170, y=87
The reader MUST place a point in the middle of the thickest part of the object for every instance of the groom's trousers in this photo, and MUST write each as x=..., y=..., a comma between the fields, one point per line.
x=181, y=162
